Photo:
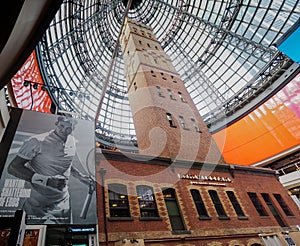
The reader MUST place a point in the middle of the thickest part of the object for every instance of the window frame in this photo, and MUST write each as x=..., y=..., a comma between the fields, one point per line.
x=235, y=204
x=257, y=204
x=218, y=204
x=175, y=217
x=119, y=193
x=150, y=201
x=200, y=205
x=182, y=122
x=285, y=208
x=170, y=119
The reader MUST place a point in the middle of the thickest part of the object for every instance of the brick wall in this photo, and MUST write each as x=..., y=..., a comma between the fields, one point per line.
x=134, y=170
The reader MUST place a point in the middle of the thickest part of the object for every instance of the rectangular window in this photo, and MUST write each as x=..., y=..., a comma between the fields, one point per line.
x=171, y=94
x=273, y=209
x=200, y=206
x=173, y=209
x=182, y=122
x=169, y=118
x=235, y=203
x=159, y=91
x=257, y=204
x=195, y=125
x=217, y=203
x=181, y=97
x=283, y=205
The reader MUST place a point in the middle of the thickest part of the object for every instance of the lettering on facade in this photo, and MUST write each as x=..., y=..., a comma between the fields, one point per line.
x=205, y=180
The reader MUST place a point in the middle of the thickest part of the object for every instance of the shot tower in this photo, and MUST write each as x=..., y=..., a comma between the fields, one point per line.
x=166, y=120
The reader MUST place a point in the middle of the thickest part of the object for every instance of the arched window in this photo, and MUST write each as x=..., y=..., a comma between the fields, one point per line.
x=217, y=203
x=118, y=200
x=146, y=201
x=201, y=209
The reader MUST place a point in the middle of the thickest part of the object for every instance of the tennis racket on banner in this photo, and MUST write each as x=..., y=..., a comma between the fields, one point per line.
x=90, y=164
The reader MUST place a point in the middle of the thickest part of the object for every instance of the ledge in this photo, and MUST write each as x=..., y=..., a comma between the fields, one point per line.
x=120, y=219
x=223, y=218
x=150, y=218
x=205, y=218
x=181, y=232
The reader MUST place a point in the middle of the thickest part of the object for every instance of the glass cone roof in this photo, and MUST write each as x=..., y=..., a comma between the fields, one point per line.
x=223, y=51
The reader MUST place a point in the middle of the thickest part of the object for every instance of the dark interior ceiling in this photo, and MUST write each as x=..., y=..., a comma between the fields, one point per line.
x=23, y=22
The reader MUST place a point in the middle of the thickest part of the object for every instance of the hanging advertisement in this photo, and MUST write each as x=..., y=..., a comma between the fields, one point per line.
x=45, y=171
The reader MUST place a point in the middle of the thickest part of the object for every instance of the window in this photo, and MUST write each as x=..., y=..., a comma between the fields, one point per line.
x=163, y=77
x=135, y=86
x=171, y=94
x=199, y=204
x=118, y=200
x=159, y=91
x=182, y=122
x=217, y=203
x=181, y=97
x=257, y=204
x=273, y=209
x=140, y=41
x=174, y=80
x=173, y=209
x=283, y=205
x=146, y=200
x=235, y=204
x=148, y=45
x=195, y=125
x=169, y=117
x=153, y=74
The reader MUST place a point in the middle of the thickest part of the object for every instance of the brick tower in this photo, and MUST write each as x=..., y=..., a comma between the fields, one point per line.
x=166, y=120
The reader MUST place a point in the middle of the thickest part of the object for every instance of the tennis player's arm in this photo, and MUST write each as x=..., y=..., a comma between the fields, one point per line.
x=18, y=169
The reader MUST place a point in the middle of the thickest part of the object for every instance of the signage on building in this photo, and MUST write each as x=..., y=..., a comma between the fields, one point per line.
x=205, y=180
x=88, y=230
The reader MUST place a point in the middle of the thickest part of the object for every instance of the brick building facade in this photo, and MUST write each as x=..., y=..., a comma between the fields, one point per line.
x=216, y=204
